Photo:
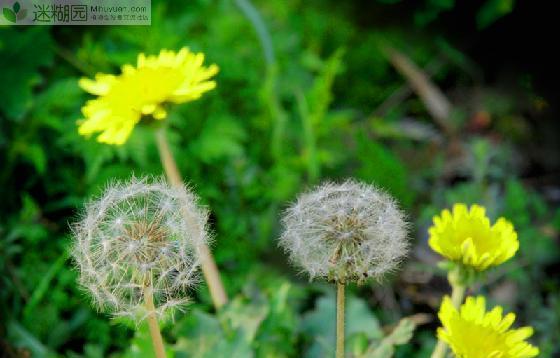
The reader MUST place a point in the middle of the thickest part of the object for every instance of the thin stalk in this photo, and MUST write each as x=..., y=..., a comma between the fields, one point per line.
x=310, y=141
x=457, y=296
x=277, y=112
x=209, y=268
x=269, y=89
x=153, y=323
x=253, y=15
x=340, y=320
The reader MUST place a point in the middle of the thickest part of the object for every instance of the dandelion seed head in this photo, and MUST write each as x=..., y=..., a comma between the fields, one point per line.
x=345, y=232
x=139, y=233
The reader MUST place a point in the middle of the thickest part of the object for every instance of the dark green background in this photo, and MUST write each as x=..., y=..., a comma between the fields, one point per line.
x=312, y=97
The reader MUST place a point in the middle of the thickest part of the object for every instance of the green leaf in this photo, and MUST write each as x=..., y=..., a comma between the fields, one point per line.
x=21, y=337
x=432, y=10
x=21, y=14
x=35, y=154
x=141, y=345
x=43, y=287
x=402, y=334
x=206, y=338
x=16, y=7
x=9, y=14
x=221, y=138
x=492, y=10
x=321, y=325
x=22, y=54
x=380, y=166
x=277, y=334
x=232, y=334
x=245, y=317
x=320, y=95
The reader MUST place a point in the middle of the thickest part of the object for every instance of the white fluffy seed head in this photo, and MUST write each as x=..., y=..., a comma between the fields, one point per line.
x=139, y=234
x=345, y=232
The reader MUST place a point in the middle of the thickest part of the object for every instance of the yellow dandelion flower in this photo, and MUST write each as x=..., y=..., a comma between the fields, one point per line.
x=466, y=236
x=143, y=90
x=471, y=332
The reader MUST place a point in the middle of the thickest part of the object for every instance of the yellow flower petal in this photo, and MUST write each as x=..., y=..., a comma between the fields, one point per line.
x=100, y=86
x=466, y=236
x=169, y=77
x=159, y=113
x=148, y=108
x=471, y=332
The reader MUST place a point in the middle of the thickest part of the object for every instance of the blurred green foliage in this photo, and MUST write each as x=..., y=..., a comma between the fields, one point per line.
x=304, y=94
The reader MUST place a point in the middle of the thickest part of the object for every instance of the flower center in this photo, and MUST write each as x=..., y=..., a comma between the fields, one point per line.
x=346, y=229
x=146, y=240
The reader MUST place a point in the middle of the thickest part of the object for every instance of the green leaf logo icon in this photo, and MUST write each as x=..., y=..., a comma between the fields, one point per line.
x=21, y=15
x=14, y=14
x=9, y=14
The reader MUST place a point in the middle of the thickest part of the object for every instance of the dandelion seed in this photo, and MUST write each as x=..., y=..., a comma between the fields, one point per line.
x=345, y=232
x=128, y=241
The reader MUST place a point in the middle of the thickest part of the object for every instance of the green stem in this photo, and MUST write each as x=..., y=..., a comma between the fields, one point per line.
x=269, y=91
x=457, y=296
x=310, y=142
x=339, y=320
x=276, y=111
x=253, y=15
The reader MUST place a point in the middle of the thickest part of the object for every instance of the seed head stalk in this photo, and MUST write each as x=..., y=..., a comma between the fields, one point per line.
x=209, y=268
x=153, y=323
x=136, y=248
x=340, y=287
x=348, y=232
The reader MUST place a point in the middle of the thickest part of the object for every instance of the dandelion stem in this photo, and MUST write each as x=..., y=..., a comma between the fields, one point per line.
x=340, y=319
x=209, y=268
x=153, y=323
x=457, y=296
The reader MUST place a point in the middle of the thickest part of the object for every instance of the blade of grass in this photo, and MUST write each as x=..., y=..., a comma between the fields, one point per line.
x=22, y=338
x=43, y=286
